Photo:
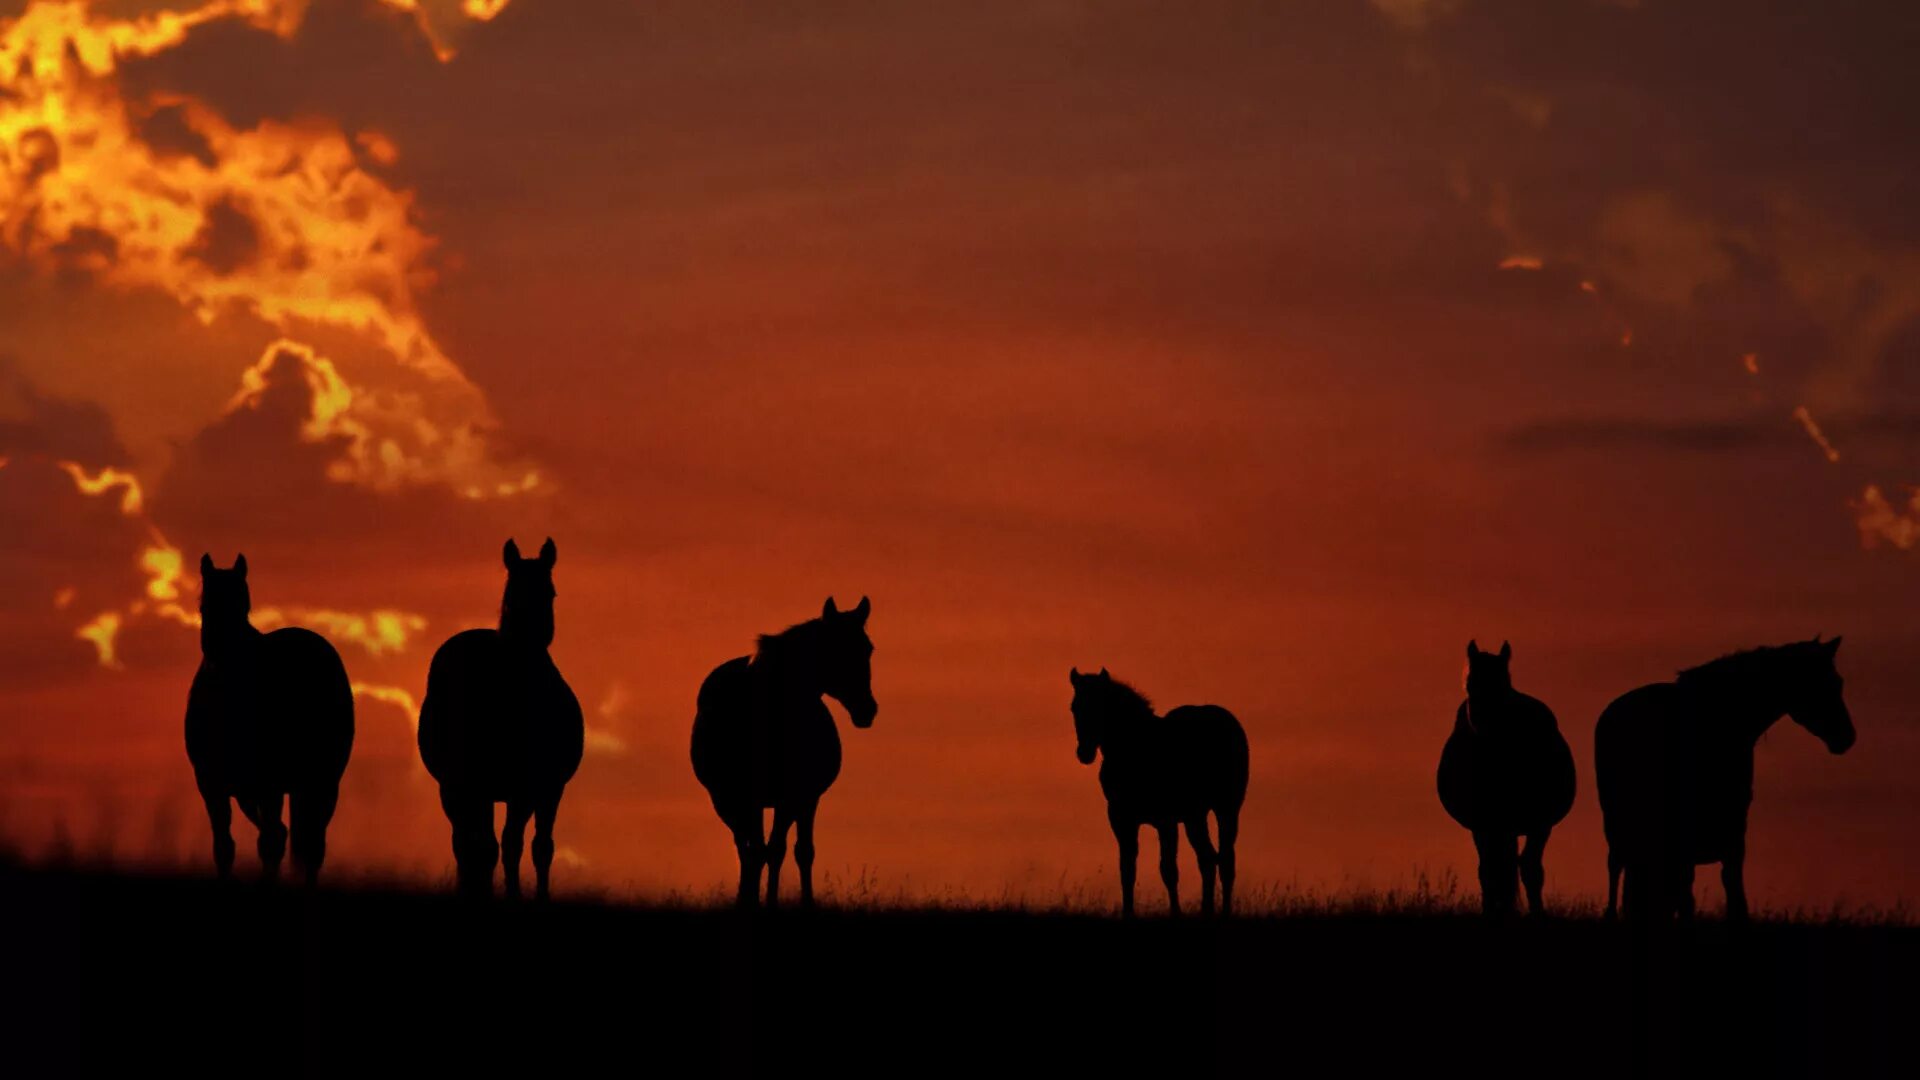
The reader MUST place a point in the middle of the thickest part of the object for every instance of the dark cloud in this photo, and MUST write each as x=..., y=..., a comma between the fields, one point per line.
x=228, y=240
x=1616, y=434
x=32, y=423
x=168, y=131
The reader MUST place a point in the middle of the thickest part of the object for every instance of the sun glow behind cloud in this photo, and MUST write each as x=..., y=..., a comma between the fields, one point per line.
x=286, y=222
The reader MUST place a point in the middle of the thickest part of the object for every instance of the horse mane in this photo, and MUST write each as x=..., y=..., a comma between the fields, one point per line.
x=1743, y=667
x=1123, y=698
x=773, y=645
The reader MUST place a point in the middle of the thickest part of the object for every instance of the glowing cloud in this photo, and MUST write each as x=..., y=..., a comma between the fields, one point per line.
x=390, y=695
x=105, y=480
x=381, y=632
x=280, y=221
x=1881, y=522
x=101, y=632
x=1522, y=262
x=1819, y=438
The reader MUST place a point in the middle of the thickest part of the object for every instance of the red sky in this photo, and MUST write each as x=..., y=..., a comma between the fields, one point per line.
x=1262, y=353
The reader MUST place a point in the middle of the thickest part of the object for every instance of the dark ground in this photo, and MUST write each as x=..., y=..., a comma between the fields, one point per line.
x=183, y=976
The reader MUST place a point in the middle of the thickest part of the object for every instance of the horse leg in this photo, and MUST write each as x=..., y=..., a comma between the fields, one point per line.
x=744, y=823
x=513, y=835
x=310, y=812
x=220, y=817
x=1128, y=835
x=1204, y=854
x=803, y=850
x=1614, y=866
x=1229, y=831
x=776, y=853
x=272, y=845
x=543, y=814
x=1733, y=879
x=474, y=848
x=1498, y=872
x=1533, y=871
x=1683, y=891
x=1170, y=863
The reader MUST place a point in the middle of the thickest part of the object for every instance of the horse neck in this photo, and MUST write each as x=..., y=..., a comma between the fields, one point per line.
x=1746, y=712
x=786, y=669
x=1127, y=729
x=226, y=637
x=529, y=630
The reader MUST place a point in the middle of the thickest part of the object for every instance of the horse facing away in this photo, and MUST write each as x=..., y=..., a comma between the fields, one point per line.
x=269, y=716
x=764, y=740
x=1674, y=765
x=500, y=724
x=1505, y=773
x=1164, y=771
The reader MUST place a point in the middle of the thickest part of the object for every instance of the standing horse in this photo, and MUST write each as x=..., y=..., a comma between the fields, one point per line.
x=499, y=724
x=269, y=716
x=1505, y=773
x=764, y=740
x=1164, y=771
x=1674, y=765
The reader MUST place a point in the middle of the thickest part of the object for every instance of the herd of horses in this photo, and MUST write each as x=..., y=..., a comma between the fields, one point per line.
x=270, y=722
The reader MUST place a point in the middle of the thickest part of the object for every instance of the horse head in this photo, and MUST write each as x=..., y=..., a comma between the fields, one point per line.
x=526, y=611
x=224, y=599
x=1092, y=702
x=1488, y=674
x=845, y=657
x=1815, y=702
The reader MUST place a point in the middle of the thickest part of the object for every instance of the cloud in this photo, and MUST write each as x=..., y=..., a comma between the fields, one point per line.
x=282, y=221
x=32, y=422
x=1622, y=433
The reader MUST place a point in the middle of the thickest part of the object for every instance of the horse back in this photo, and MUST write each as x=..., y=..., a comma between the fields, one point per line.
x=752, y=743
x=1198, y=764
x=1672, y=783
x=278, y=717
x=500, y=719
x=1506, y=768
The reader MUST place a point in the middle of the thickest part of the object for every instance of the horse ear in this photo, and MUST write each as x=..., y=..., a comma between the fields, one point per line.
x=1073, y=676
x=1104, y=675
x=1833, y=647
x=863, y=609
x=1506, y=650
x=510, y=554
x=548, y=553
x=206, y=564
x=829, y=609
x=1473, y=648
x=240, y=565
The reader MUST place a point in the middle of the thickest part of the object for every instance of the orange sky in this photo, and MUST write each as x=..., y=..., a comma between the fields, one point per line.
x=1261, y=353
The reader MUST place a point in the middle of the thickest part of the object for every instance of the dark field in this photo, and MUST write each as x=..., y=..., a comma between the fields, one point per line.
x=163, y=974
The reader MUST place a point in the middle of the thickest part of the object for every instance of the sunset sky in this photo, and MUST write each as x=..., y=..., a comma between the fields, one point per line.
x=1263, y=353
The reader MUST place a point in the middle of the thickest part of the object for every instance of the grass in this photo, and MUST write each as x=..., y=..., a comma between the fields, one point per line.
x=157, y=969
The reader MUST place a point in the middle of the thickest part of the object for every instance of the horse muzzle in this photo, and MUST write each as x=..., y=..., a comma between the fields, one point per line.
x=1842, y=742
x=863, y=712
x=1084, y=753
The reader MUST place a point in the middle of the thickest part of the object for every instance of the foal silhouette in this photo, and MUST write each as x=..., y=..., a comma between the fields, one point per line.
x=499, y=724
x=1165, y=772
x=270, y=716
x=1674, y=765
x=1505, y=773
x=763, y=738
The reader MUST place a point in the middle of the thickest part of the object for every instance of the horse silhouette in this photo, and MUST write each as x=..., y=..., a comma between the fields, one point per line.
x=1674, y=765
x=499, y=724
x=1164, y=771
x=269, y=717
x=764, y=740
x=1505, y=773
